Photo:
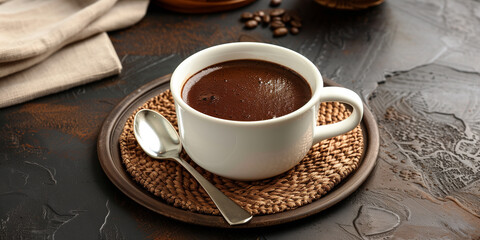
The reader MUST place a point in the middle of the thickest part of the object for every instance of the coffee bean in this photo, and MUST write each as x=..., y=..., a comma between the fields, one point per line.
x=276, y=19
x=286, y=18
x=275, y=3
x=277, y=12
x=246, y=16
x=296, y=24
x=260, y=13
x=282, y=31
x=277, y=24
x=251, y=24
x=257, y=18
x=294, y=30
x=266, y=19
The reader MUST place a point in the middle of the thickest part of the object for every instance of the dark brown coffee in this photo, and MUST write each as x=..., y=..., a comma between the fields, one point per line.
x=246, y=90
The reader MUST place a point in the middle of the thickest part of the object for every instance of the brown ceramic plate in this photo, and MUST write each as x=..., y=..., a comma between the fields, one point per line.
x=109, y=155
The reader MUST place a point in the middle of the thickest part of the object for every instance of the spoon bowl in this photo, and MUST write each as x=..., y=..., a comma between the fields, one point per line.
x=159, y=139
x=155, y=135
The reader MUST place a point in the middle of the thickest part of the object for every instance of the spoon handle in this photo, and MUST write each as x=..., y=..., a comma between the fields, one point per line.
x=232, y=212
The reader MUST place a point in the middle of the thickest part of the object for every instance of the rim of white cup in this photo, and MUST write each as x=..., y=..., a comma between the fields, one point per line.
x=176, y=93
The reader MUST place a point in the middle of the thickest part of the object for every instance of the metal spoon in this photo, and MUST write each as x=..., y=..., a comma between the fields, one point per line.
x=159, y=140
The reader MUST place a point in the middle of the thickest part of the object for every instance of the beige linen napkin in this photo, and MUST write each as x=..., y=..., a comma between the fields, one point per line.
x=51, y=45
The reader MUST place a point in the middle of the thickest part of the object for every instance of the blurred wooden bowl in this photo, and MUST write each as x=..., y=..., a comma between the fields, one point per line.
x=349, y=4
x=201, y=6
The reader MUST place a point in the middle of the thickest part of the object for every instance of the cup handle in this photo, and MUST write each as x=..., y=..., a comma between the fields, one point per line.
x=338, y=94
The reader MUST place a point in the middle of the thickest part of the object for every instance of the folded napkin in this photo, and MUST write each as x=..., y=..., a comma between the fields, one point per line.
x=51, y=45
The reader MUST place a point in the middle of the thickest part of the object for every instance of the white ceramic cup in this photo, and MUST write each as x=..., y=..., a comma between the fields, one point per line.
x=253, y=150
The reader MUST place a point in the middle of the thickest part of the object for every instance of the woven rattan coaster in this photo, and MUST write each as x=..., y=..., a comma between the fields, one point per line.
x=324, y=167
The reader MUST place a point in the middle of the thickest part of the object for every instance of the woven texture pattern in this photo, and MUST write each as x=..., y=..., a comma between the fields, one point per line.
x=324, y=167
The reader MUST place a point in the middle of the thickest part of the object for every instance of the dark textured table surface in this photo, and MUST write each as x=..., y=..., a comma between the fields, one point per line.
x=415, y=63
